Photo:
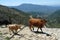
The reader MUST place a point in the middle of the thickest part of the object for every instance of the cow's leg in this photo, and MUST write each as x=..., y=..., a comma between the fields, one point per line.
x=31, y=27
x=15, y=31
x=37, y=29
x=41, y=29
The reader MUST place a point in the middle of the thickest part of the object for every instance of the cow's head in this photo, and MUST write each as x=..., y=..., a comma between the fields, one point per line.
x=44, y=21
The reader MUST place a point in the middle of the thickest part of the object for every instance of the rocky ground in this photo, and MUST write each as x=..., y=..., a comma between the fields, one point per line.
x=26, y=34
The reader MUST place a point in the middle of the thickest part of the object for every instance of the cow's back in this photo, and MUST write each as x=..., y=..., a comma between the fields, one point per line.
x=35, y=22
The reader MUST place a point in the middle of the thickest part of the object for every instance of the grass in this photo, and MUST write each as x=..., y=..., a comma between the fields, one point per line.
x=7, y=38
x=0, y=33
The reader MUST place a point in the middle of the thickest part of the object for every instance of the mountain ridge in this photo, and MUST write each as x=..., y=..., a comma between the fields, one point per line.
x=36, y=8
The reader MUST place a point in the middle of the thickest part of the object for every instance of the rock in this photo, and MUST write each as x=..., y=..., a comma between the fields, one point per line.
x=26, y=34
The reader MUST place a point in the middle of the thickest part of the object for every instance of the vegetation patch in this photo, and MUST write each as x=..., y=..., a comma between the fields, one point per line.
x=7, y=38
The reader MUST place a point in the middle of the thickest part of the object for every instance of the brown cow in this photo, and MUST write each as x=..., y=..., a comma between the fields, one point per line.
x=13, y=27
x=37, y=22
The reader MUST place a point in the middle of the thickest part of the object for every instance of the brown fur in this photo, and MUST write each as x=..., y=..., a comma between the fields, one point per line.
x=14, y=27
x=37, y=22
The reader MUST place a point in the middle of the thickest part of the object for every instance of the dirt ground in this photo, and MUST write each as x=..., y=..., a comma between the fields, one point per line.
x=26, y=34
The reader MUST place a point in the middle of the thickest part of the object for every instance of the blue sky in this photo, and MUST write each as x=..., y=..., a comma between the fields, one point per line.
x=19, y=2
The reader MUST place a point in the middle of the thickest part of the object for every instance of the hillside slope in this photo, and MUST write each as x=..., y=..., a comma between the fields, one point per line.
x=17, y=16
x=36, y=8
x=54, y=19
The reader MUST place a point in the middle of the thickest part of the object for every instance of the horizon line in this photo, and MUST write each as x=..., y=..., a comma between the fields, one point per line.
x=29, y=3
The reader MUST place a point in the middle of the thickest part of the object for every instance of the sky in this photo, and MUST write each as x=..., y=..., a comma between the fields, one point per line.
x=38, y=2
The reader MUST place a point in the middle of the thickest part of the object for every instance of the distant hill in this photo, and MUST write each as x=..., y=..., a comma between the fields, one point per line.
x=38, y=14
x=54, y=19
x=17, y=16
x=36, y=8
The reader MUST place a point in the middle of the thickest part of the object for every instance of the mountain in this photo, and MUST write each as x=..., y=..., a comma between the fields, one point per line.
x=17, y=16
x=36, y=8
x=54, y=19
x=38, y=14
